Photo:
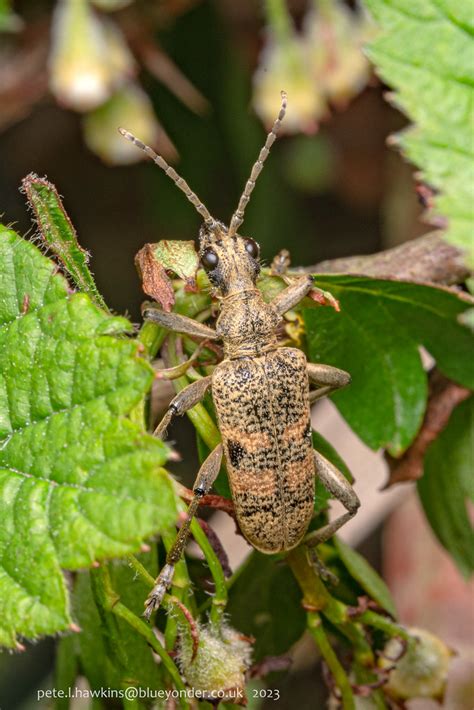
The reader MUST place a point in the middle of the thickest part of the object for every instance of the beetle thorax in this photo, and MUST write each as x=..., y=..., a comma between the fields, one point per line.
x=247, y=325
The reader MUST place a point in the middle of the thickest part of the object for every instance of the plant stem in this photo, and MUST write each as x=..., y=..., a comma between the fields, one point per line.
x=144, y=630
x=389, y=627
x=315, y=594
x=141, y=570
x=198, y=415
x=152, y=336
x=342, y=681
x=219, y=598
x=108, y=601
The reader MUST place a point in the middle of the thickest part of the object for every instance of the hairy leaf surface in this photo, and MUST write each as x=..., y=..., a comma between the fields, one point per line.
x=425, y=51
x=78, y=480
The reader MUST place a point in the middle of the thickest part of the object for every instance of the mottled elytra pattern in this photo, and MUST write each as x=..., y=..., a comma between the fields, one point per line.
x=263, y=410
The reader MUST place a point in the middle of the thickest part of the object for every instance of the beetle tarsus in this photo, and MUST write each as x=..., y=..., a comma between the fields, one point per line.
x=163, y=582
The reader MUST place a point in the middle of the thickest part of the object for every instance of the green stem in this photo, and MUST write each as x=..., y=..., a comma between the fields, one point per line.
x=152, y=336
x=389, y=627
x=108, y=601
x=219, y=598
x=315, y=594
x=198, y=415
x=228, y=583
x=342, y=681
x=141, y=571
x=122, y=612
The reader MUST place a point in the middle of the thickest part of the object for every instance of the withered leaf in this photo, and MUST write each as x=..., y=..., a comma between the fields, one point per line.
x=154, y=261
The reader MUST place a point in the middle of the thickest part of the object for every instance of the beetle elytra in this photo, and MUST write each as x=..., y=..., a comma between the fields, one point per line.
x=261, y=393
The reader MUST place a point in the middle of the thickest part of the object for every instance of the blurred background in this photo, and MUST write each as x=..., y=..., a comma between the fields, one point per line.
x=200, y=80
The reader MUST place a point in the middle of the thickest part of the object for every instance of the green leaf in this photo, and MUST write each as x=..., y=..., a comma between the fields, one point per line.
x=78, y=480
x=447, y=484
x=376, y=337
x=265, y=602
x=59, y=234
x=425, y=51
x=366, y=576
x=109, y=650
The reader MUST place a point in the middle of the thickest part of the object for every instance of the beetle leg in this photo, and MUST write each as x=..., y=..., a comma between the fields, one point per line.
x=327, y=378
x=292, y=295
x=178, y=323
x=339, y=486
x=184, y=400
x=204, y=480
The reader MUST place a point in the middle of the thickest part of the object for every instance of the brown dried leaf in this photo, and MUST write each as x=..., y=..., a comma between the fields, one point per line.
x=155, y=281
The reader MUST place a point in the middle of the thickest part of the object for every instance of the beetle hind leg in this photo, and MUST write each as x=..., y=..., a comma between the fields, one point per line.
x=327, y=379
x=204, y=480
x=339, y=486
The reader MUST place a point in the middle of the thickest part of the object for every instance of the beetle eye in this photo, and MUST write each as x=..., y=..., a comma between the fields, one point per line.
x=252, y=248
x=209, y=259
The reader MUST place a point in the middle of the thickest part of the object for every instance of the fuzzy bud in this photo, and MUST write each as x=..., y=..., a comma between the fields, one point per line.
x=334, y=36
x=89, y=57
x=422, y=671
x=284, y=65
x=217, y=667
x=130, y=107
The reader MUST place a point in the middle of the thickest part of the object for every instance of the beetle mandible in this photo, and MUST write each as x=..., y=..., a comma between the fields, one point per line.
x=261, y=393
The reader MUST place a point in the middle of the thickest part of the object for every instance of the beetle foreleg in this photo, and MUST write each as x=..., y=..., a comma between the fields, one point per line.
x=184, y=400
x=338, y=485
x=178, y=323
x=327, y=378
x=204, y=480
x=291, y=296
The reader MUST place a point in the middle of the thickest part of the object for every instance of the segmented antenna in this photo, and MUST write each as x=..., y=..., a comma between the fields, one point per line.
x=171, y=172
x=238, y=216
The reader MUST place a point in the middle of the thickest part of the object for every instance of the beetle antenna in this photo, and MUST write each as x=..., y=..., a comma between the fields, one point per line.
x=171, y=172
x=238, y=216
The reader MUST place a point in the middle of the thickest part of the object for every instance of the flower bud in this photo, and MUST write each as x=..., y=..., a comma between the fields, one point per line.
x=284, y=65
x=129, y=107
x=334, y=36
x=219, y=663
x=422, y=671
x=89, y=58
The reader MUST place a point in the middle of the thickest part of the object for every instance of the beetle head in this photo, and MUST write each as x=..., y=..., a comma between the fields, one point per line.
x=231, y=261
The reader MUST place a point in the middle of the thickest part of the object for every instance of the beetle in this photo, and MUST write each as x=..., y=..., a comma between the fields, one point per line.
x=261, y=393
